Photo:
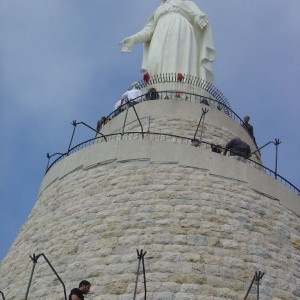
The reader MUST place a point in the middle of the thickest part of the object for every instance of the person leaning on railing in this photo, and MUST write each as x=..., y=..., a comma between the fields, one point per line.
x=238, y=149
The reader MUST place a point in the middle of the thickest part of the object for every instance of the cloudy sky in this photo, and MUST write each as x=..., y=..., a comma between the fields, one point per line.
x=60, y=61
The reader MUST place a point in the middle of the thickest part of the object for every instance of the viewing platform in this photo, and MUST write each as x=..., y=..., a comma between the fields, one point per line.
x=178, y=112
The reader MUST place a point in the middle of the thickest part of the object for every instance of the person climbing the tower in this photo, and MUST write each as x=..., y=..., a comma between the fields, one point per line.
x=83, y=289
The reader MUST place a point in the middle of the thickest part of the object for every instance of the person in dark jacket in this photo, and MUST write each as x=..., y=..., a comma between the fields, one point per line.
x=78, y=293
x=238, y=149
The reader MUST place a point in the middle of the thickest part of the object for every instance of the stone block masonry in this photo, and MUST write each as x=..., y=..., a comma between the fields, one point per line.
x=207, y=222
x=205, y=235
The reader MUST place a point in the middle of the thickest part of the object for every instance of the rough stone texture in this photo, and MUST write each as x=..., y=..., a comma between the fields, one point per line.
x=206, y=228
x=204, y=235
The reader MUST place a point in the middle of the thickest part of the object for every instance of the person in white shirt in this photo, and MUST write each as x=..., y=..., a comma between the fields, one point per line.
x=134, y=94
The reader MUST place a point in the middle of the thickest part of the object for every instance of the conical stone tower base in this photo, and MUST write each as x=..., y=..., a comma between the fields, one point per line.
x=207, y=222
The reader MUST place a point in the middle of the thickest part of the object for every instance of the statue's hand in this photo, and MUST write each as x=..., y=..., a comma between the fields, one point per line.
x=127, y=44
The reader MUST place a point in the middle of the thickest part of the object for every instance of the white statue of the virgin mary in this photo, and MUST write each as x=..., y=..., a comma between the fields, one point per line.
x=177, y=39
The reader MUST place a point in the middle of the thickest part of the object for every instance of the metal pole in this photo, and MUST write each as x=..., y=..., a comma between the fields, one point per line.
x=124, y=122
x=74, y=124
x=199, y=124
x=64, y=287
x=138, y=120
x=34, y=259
x=249, y=288
x=137, y=275
x=204, y=111
x=48, y=156
x=2, y=295
x=258, y=276
x=277, y=143
x=271, y=142
x=145, y=287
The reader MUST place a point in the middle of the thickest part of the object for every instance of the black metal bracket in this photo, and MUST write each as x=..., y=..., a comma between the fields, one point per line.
x=132, y=104
x=256, y=278
x=2, y=295
x=276, y=143
x=141, y=256
x=49, y=156
x=34, y=259
x=204, y=112
x=74, y=123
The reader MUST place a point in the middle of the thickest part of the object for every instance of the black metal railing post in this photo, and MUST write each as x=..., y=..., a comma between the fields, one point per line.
x=74, y=128
x=50, y=156
x=141, y=256
x=2, y=295
x=277, y=143
x=132, y=104
x=35, y=258
x=204, y=111
x=256, y=278
x=124, y=123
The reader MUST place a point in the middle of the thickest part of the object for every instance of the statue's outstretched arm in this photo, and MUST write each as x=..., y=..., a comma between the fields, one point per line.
x=142, y=36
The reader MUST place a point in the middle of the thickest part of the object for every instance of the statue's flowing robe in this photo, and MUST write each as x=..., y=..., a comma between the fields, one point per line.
x=175, y=43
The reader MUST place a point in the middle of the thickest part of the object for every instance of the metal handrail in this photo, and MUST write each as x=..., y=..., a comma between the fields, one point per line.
x=165, y=95
x=182, y=138
x=188, y=79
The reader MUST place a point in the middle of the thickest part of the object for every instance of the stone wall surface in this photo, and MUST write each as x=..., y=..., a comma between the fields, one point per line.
x=205, y=236
x=180, y=118
x=207, y=222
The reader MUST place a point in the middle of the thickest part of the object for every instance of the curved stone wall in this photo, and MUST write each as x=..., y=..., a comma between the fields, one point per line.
x=179, y=118
x=207, y=222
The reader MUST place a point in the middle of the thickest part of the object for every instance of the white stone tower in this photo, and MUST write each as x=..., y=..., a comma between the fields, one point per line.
x=207, y=222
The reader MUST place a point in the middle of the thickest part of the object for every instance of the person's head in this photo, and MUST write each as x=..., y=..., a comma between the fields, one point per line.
x=216, y=148
x=135, y=85
x=85, y=286
x=195, y=142
x=246, y=119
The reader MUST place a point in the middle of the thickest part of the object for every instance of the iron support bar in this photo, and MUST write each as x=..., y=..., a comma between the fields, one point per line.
x=74, y=124
x=50, y=156
x=130, y=104
x=204, y=111
x=123, y=129
x=35, y=258
x=141, y=256
x=257, y=277
x=2, y=295
x=88, y=126
x=271, y=142
x=276, y=143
